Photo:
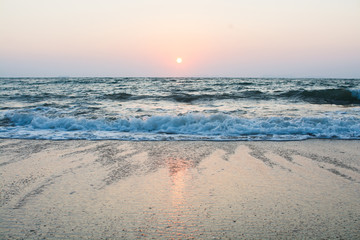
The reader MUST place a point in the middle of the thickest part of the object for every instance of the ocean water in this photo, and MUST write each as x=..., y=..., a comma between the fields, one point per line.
x=218, y=109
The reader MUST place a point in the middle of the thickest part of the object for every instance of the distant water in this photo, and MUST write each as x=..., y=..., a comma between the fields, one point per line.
x=179, y=108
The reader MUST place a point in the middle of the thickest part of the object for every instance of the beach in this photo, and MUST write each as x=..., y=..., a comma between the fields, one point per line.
x=80, y=189
x=179, y=120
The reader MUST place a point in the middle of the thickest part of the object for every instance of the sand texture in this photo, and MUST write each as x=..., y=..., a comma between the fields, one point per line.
x=179, y=190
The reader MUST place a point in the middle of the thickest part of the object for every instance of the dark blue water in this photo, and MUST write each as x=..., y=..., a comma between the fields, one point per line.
x=179, y=108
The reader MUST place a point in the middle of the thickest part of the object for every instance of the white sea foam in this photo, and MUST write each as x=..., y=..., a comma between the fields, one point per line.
x=183, y=127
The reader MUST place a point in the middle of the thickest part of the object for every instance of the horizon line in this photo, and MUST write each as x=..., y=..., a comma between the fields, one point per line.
x=272, y=77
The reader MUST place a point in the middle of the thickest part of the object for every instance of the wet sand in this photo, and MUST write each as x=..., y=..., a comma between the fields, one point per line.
x=179, y=190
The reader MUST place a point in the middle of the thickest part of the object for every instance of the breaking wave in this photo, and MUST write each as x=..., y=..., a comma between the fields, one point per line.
x=181, y=127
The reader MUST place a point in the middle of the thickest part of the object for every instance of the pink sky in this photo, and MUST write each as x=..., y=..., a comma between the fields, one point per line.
x=318, y=38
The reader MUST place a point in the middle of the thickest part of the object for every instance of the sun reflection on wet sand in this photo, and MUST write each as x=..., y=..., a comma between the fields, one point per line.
x=178, y=177
x=178, y=169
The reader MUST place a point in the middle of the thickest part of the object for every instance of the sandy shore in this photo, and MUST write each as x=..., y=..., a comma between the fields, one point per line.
x=179, y=190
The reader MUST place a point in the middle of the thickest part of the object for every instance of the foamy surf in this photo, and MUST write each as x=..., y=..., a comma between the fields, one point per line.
x=219, y=109
x=182, y=127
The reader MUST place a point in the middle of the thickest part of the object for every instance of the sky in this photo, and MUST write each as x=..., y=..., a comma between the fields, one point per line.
x=214, y=38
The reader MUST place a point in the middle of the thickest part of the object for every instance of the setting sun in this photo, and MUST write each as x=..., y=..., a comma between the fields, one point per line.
x=179, y=60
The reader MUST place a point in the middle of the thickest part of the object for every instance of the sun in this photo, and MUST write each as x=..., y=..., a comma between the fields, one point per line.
x=179, y=60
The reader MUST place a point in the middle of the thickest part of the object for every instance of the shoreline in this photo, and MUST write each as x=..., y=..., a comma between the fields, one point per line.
x=80, y=189
x=215, y=141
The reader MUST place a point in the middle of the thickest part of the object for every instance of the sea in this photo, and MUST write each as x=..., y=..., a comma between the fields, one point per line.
x=176, y=109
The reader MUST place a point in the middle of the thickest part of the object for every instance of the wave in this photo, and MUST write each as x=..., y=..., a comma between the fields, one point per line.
x=188, y=98
x=180, y=127
x=33, y=98
x=321, y=96
x=326, y=96
x=355, y=93
x=119, y=96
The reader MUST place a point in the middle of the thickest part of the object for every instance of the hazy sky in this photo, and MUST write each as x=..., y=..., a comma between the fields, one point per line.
x=239, y=38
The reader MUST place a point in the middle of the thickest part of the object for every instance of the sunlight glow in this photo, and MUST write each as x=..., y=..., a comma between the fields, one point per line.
x=179, y=60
